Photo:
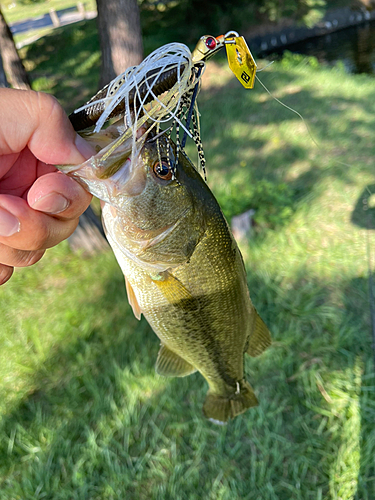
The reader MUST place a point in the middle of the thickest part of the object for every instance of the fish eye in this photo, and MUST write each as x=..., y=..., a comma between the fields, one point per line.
x=162, y=170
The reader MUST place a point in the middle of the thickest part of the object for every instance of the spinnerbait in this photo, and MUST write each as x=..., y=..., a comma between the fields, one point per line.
x=164, y=88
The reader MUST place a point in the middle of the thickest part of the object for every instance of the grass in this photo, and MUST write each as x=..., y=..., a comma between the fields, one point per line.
x=83, y=415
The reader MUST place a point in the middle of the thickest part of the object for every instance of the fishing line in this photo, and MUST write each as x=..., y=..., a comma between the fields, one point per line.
x=265, y=67
x=365, y=208
x=322, y=149
x=290, y=109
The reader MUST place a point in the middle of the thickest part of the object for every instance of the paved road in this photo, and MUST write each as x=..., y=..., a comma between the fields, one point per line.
x=66, y=16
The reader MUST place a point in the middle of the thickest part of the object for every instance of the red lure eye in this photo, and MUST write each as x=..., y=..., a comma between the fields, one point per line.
x=211, y=43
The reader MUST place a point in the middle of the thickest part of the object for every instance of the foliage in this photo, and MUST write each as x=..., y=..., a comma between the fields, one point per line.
x=308, y=11
x=293, y=60
x=219, y=16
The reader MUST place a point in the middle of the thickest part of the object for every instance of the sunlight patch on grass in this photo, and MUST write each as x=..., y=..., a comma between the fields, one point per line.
x=345, y=389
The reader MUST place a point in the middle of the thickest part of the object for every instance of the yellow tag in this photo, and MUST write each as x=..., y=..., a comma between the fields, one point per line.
x=240, y=61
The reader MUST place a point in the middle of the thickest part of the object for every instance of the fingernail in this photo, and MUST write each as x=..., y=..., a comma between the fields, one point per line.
x=86, y=149
x=9, y=224
x=51, y=203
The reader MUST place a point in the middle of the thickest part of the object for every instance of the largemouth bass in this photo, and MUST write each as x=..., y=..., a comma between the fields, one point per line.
x=182, y=267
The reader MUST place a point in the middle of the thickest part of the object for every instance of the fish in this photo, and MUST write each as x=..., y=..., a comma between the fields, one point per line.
x=183, y=269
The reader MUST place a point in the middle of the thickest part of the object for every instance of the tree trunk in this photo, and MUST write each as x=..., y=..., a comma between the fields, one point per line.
x=11, y=60
x=120, y=37
x=121, y=45
x=89, y=235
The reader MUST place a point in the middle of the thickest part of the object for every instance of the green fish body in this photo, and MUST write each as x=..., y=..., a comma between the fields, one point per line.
x=183, y=271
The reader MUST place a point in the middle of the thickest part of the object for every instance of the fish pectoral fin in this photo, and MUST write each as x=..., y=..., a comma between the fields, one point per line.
x=170, y=364
x=132, y=299
x=176, y=293
x=260, y=337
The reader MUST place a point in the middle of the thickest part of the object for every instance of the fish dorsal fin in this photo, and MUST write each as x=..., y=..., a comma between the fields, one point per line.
x=132, y=299
x=170, y=364
x=260, y=337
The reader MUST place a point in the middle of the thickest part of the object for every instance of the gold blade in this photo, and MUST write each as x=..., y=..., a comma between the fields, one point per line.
x=240, y=61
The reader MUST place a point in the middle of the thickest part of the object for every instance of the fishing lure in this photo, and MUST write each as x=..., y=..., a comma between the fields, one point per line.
x=163, y=88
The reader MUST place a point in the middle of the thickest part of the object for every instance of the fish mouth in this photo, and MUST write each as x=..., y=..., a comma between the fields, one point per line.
x=115, y=145
x=114, y=169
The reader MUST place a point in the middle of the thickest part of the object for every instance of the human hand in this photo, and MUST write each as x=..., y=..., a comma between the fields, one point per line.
x=39, y=206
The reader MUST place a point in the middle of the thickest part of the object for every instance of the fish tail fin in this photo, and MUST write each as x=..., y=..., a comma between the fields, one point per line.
x=244, y=400
x=219, y=409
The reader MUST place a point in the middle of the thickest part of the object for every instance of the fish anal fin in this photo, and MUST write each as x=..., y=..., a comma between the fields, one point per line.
x=170, y=364
x=219, y=409
x=133, y=299
x=260, y=337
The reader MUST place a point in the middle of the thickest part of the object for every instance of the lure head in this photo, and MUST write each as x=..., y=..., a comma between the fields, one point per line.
x=206, y=47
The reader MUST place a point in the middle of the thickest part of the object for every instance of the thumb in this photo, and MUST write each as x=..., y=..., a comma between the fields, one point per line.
x=38, y=121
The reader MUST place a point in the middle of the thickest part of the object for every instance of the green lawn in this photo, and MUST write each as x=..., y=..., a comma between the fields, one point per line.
x=84, y=416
